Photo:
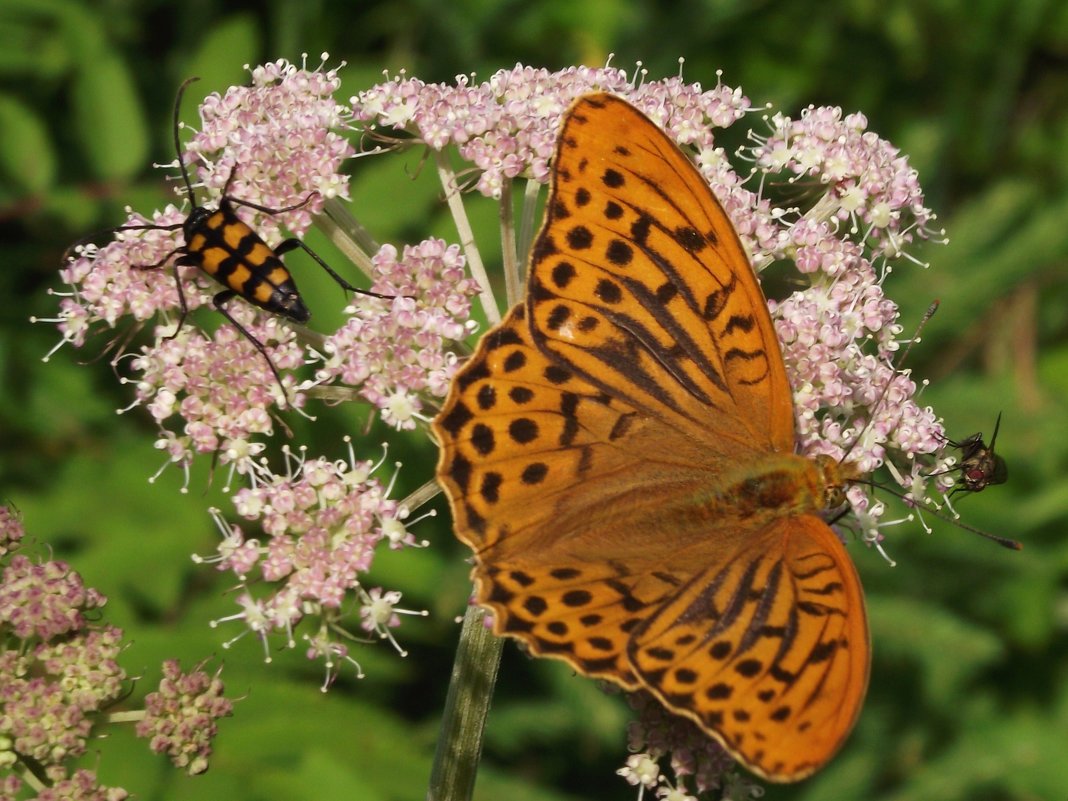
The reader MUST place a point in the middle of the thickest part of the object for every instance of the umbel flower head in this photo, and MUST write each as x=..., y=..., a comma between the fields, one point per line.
x=839, y=333
x=862, y=211
x=61, y=682
x=853, y=209
x=273, y=145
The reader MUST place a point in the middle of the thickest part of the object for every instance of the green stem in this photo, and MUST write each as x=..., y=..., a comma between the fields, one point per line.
x=467, y=236
x=526, y=221
x=347, y=234
x=474, y=673
x=512, y=280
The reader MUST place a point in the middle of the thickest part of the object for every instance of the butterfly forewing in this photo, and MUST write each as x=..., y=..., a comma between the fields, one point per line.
x=639, y=282
x=538, y=486
x=618, y=455
x=520, y=429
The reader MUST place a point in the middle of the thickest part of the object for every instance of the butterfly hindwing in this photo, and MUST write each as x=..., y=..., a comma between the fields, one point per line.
x=769, y=651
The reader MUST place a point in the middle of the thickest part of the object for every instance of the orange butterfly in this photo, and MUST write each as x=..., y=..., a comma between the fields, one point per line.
x=619, y=454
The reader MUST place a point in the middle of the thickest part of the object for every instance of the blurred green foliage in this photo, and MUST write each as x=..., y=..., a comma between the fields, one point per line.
x=969, y=694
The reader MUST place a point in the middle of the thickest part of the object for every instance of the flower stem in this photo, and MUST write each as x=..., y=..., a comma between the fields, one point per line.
x=513, y=285
x=527, y=219
x=467, y=237
x=474, y=673
x=347, y=234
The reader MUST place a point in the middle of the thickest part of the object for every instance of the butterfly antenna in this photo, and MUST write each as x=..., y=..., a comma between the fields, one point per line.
x=1004, y=542
x=927, y=315
x=178, y=143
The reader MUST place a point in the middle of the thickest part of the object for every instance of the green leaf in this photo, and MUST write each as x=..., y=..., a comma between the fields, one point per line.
x=912, y=630
x=111, y=121
x=27, y=156
x=225, y=48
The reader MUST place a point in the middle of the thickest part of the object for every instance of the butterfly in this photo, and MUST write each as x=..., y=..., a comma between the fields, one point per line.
x=979, y=465
x=619, y=455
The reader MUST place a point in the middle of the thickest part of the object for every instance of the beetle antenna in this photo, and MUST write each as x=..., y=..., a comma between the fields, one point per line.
x=178, y=143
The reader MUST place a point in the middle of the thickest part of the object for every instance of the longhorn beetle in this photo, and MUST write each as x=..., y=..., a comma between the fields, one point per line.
x=224, y=247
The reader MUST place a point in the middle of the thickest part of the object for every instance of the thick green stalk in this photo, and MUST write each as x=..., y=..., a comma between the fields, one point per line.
x=474, y=674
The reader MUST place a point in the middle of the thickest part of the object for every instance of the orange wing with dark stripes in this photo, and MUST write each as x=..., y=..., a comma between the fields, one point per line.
x=618, y=453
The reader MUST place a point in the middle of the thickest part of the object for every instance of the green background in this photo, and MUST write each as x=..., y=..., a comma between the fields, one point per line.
x=968, y=699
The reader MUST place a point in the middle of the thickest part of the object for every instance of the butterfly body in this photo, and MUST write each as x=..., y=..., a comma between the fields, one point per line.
x=774, y=486
x=619, y=455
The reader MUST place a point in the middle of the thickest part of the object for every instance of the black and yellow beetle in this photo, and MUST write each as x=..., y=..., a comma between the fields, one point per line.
x=226, y=248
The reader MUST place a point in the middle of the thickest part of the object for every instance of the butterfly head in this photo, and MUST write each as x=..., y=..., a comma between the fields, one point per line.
x=835, y=477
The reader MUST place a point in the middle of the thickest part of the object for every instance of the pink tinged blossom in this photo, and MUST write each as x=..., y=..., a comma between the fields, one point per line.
x=42, y=723
x=867, y=176
x=507, y=126
x=131, y=277
x=641, y=769
x=82, y=786
x=658, y=736
x=44, y=600
x=322, y=523
x=278, y=137
x=86, y=666
x=10, y=784
x=396, y=351
x=824, y=333
x=378, y=611
x=333, y=655
x=236, y=553
x=181, y=716
x=220, y=385
x=11, y=530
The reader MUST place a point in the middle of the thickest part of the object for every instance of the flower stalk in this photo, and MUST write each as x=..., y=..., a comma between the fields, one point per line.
x=474, y=674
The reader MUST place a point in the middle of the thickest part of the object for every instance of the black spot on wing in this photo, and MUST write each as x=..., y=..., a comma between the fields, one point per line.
x=491, y=487
x=562, y=274
x=482, y=439
x=515, y=361
x=486, y=397
x=523, y=430
x=456, y=418
x=579, y=238
x=534, y=473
